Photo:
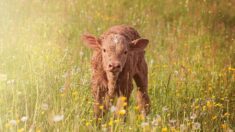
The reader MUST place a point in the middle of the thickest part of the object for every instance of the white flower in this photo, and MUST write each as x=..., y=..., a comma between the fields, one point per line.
x=144, y=124
x=13, y=122
x=81, y=53
x=183, y=127
x=176, y=72
x=193, y=116
x=62, y=89
x=10, y=82
x=157, y=120
x=24, y=118
x=196, y=126
x=45, y=106
x=151, y=62
x=57, y=118
x=172, y=122
x=3, y=77
x=113, y=109
x=164, y=109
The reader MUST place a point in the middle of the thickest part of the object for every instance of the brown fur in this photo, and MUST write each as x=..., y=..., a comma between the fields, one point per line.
x=104, y=89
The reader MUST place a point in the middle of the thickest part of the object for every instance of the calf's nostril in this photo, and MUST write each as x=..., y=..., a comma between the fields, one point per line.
x=110, y=65
x=118, y=66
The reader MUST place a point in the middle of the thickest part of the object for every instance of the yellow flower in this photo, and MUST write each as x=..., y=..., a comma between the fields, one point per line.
x=164, y=129
x=38, y=130
x=20, y=130
x=110, y=123
x=75, y=93
x=197, y=106
x=7, y=125
x=209, y=104
x=88, y=123
x=204, y=108
x=116, y=121
x=231, y=69
x=214, y=117
x=122, y=112
x=123, y=98
x=224, y=126
x=136, y=107
x=101, y=107
x=226, y=114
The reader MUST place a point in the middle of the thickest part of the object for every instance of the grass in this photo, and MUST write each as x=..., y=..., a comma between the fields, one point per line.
x=45, y=68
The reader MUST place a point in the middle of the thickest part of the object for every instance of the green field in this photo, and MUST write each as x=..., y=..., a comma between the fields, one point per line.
x=45, y=69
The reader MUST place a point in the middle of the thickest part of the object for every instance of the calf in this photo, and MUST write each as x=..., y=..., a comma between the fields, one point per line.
x=118, y=57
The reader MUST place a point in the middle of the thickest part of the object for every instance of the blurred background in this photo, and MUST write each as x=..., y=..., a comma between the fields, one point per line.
x=45, y=68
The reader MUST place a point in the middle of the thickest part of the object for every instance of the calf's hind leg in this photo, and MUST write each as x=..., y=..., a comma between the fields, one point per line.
x=141, y=79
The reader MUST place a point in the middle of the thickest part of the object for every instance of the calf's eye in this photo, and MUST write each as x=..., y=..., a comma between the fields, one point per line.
x=104, y=50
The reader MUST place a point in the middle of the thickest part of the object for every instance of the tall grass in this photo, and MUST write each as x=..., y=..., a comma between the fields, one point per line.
x=45, y=69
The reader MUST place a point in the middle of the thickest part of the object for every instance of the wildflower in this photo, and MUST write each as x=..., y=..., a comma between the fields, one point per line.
x=151, y=62
x=75, y=93
x=113, y=109
x=164, y=109
x=209, y=104
x=58, y=118
x=231, y=69
x=10, y=82
x=110, y=123
x=88, y=123
x=44, y=106
x=193, y=116
x=176, y=72
x=196, y=126
x=214, y=117
x=123, y=98
x=141, y=117
x=224, y=126
x=81, y=53
x=219, y=105
x=62, y=89
x=204, y=108
x=3, y=77
x=101, y=107
x=116, y=121
x=144, y=124
x=104, y=125
x=20, y=130
x=183, y=127
x=122, y=112
x=13, y=122
x=197, y=107
x=7, y=125
x=24, y=118
x=226, y=114
x=172, y=122
x=136, y=107
x=156, y=121
x=164, y=129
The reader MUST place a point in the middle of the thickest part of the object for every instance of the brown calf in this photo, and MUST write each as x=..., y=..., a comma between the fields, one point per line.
x=118, y=57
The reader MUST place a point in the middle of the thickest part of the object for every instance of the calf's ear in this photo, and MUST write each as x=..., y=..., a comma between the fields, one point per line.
x=139, y=44
x=91, y=41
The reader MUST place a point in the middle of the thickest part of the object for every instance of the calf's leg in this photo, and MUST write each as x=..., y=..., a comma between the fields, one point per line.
x=141, y=79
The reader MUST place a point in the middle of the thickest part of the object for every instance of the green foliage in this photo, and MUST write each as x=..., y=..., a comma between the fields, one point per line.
x=45, y=68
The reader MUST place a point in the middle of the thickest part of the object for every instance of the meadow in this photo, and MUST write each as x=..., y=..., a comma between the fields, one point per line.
x=45, y=68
